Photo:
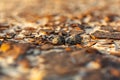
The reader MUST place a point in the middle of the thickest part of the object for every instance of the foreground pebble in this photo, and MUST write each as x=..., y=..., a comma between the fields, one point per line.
x=73, y=39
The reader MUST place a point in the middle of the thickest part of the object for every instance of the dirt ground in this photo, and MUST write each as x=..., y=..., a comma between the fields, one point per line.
x=59, y=39
x=57, y=6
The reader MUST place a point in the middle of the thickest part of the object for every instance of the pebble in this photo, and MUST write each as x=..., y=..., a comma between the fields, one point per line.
x=18, y=29
x=5, y=47
x=117, y=45
x=85, y=39
x=93, y=65
x=34, y=52
x=55, y=39
x=20, y=36
x=107, y=35
x=73, y=39
x=10, y=35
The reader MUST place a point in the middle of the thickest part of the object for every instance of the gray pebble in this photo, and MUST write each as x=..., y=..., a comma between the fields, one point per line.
x=73, y=39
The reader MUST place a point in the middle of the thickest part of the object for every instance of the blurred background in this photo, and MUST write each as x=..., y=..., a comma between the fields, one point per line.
x=73, y=7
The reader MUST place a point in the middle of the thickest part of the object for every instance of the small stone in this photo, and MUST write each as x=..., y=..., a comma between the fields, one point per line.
x=18, y=29
x=117, y=45
x=55, y=39
x=10, y=35
x=107, y=35
x=93, y=65
x=73, y=39
x=19, y=36
x=77, y=25
x=43, y=32
x=107, y=28
x=85, y=39
x=5, y=47
x=36, y=52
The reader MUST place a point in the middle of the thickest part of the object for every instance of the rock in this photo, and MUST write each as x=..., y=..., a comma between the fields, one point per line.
x=73, y=39
x=55, y=39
